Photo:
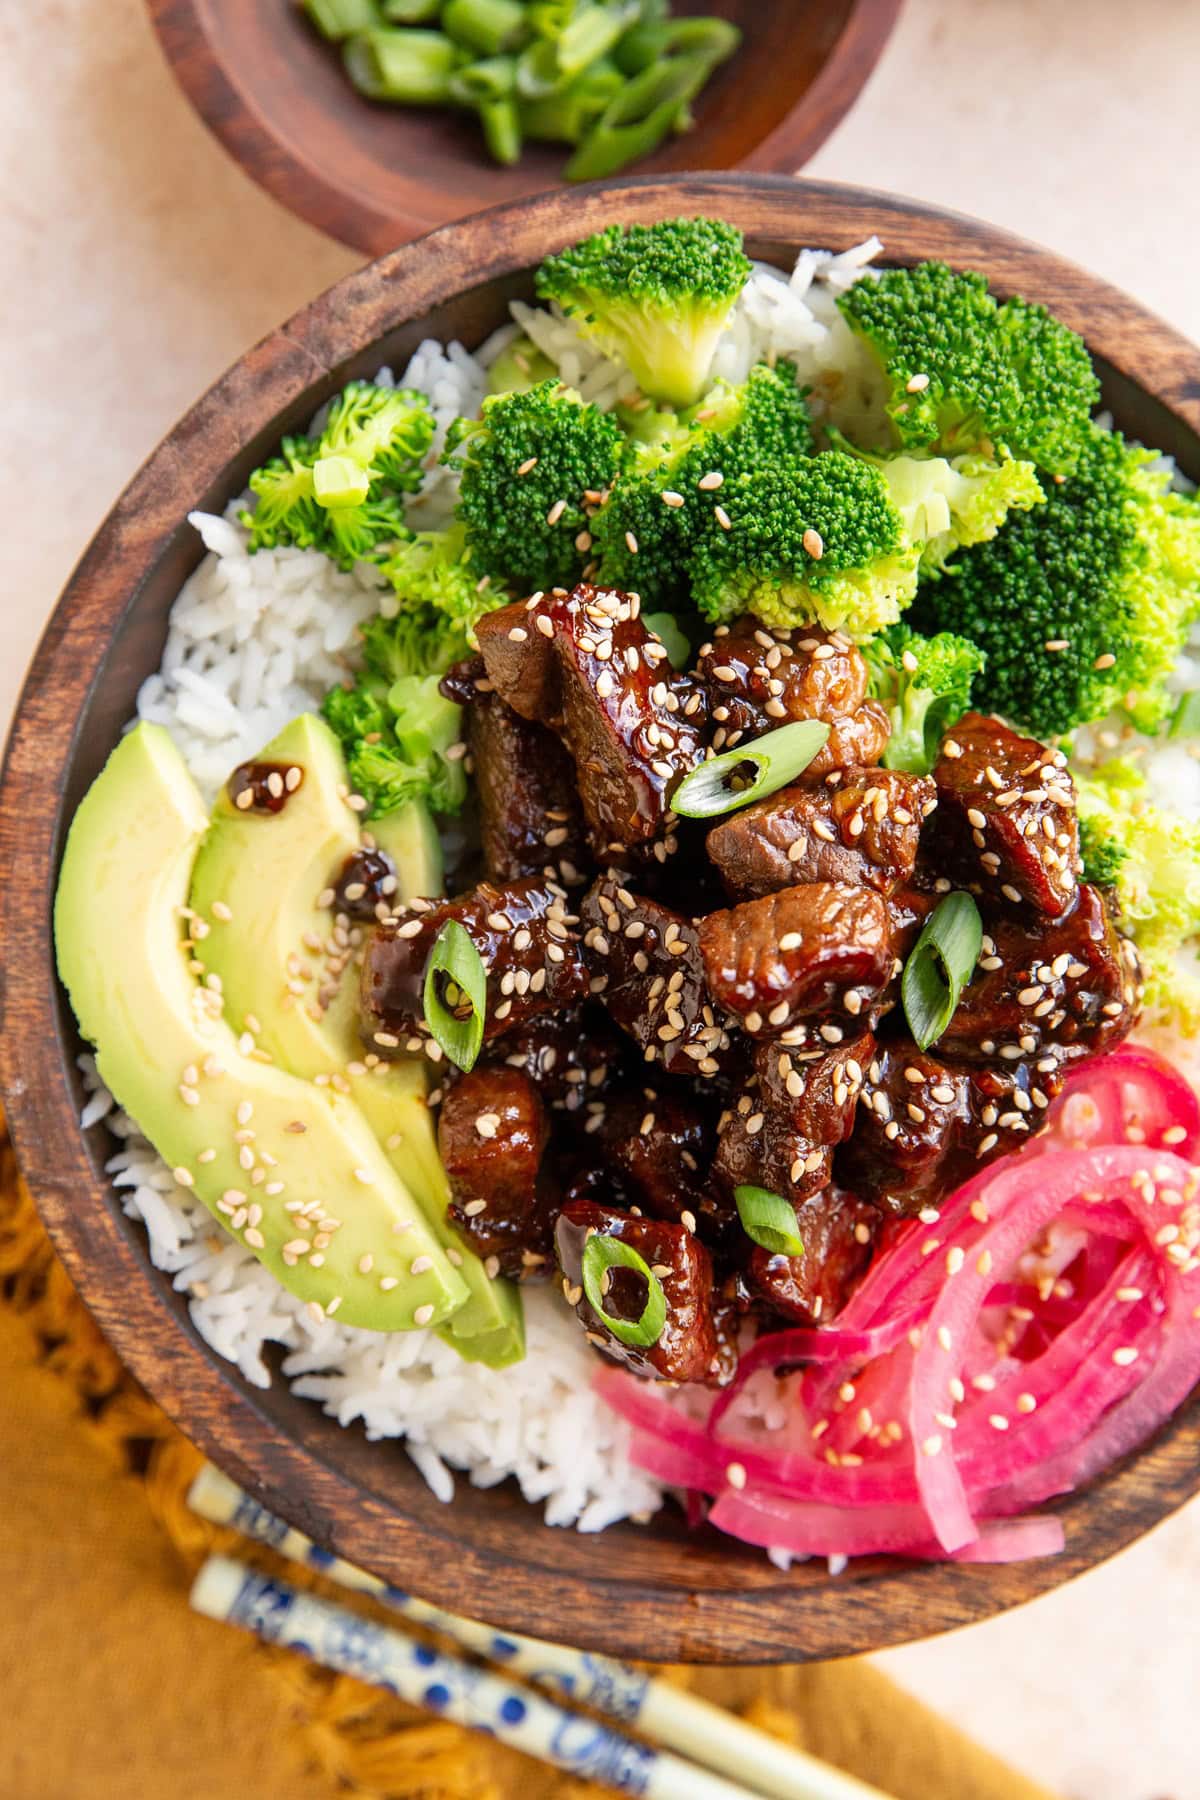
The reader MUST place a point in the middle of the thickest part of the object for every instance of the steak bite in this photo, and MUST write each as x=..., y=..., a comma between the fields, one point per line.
x=687, y=1348
x=798, y=1105
x=492, y=1136
x=646, y=967
x=572, y=1057
x=523, y=933
x=838, y=1232
x=863, y=830
x=757, y=680
x=661, y=1143
x=795, y=955
x=585, y=665
x=530, y=821
x=1070, y=985
x=926, y=1124
x=1006, y=819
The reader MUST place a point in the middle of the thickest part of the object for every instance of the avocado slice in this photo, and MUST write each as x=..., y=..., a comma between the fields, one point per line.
x=273, y=1157
x=409, y=836
x=257, y=884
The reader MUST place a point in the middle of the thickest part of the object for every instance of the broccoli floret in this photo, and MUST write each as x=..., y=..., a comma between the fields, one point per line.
x=433, y=580
x=657, y=297
x=925, y=684
x=1106, y=573
x=527, y=467
x=644, y=531
x=817, y=540
x=386, y=431
x=948, y=505
x=286, y=510
x=394, y=725
x=961, y=372
x=1150, y=856
x=340, y=492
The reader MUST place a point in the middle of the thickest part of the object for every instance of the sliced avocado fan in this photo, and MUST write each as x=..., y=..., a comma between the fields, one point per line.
x=262, y=893
x=292, y=1170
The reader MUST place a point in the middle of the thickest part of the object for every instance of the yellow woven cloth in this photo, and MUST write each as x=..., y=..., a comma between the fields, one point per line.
x=113, y=1690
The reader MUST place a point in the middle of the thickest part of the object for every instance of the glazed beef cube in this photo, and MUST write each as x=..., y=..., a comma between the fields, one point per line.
x=661, y=1143
x=1006, y=816
x=757, y=680
x=584, y=665
x=815, y=1090
x=530, y=821
x=838, y=1232
x=821, y=948
x=1070, y=985
x=925, y=1124
x=523, y=933
x=492, y=1136
x=908, y=909
x=863, y=830
x=646, y=967
x=758, y=1147
x=687, y=1348
x=571, y=1057
x=798, y=1105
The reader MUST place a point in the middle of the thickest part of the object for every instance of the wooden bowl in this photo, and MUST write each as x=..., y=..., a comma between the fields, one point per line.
x=656, y=1591
x=375, y=176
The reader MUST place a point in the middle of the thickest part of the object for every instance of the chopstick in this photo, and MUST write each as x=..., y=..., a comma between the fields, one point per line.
x=338, y=1639
x=702, y=1732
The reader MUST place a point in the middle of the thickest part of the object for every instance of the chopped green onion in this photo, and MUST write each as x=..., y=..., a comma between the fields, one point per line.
x=1185, y=720
x=337, y=19
x=340, y=481
x=501, y=129
x=410, y=12
x=563, y=118
x=769, y=1220
x=539, y=73
x=651, y=42
x=665, y=627
x=409, y=68
x=638, y=119
x=749, y=772
x=600, y=1254
x=456, y=994
x=487, y=26
x=591, y=34
x=940, y=964
x=491, y=79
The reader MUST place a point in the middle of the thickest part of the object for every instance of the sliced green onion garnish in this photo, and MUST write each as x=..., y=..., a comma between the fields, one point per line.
x=603, y=1253
x=665, y=627
x=340, y=481
x=1185, y=720
x=750, y=771
x=940, y=964
x=456, y=994
x=769, y=1220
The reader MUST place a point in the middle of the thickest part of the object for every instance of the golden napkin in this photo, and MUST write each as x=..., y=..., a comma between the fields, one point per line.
x=113, y=1690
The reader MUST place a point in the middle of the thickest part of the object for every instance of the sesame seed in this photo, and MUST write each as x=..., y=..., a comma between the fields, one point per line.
x=998, y=1422
x=631, y=543
x=1104, y=662
x=932, y=1445
x=735, y=1475
x=916, y=384
x=710, y=482
x=723, y=519
x=556, y=512
x=529, y=464
x=1057, y=643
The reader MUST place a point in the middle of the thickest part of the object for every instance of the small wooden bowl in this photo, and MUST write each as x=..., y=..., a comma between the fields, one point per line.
x=655, y=1591
x=374, y=176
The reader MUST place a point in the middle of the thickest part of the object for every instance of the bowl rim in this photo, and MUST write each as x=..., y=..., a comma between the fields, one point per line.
x=280, y=162
x=770, y=1616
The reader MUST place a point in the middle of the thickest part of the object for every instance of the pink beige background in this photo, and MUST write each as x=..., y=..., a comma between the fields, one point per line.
x=136, y=262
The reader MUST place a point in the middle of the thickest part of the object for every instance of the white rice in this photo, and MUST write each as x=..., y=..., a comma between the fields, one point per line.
x=252, y=641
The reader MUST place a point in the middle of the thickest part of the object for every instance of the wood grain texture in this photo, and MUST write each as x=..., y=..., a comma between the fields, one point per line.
x=374, y=176
x=656, y=1591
